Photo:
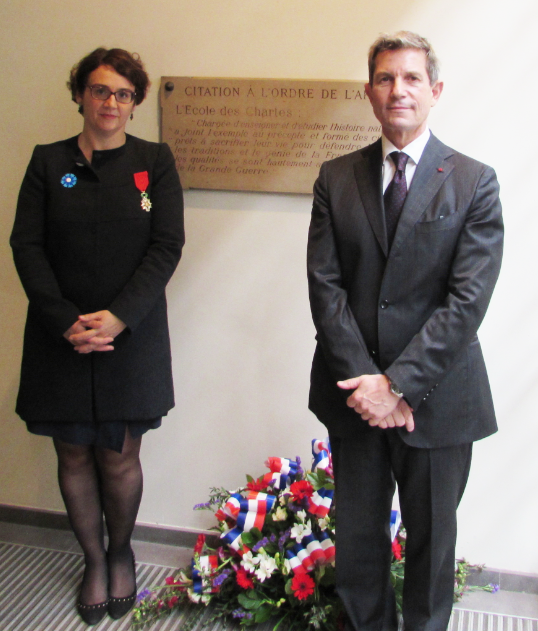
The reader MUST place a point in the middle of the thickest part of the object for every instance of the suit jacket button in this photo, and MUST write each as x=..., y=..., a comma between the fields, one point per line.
x=384, y=304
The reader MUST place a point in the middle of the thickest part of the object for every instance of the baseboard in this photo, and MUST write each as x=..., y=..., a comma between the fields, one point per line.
x=507, y=581
x=34, y=517
x=184, y=538
x=181, y=537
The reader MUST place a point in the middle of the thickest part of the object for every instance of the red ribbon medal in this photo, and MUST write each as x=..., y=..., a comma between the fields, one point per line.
x=142, y=182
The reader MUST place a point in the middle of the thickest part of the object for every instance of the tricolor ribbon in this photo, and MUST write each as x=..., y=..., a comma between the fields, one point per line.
x=395, y=521
x=320, y=502
x=283, y=472
x=142, y=182
x=200, y=580
x=321, y=450
x=247, y=513
x=231, y=508
x=311, y=552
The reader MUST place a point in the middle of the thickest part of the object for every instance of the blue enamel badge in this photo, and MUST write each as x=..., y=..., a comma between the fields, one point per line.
x=69, y=180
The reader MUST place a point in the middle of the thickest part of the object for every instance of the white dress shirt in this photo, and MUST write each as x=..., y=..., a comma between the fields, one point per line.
x=413, y=150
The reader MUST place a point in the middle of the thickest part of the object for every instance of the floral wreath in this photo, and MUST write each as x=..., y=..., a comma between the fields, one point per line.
x=274, y=557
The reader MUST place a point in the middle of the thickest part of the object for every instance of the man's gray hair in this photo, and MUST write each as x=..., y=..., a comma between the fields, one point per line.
x=399, y=41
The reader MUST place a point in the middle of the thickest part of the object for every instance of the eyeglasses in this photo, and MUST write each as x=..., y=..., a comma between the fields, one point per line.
x=102, y=93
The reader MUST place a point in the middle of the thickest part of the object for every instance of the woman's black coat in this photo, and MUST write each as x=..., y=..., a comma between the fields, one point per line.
x=85, y=244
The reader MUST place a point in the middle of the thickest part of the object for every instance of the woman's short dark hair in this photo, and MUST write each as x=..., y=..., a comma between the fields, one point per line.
x=124, y=63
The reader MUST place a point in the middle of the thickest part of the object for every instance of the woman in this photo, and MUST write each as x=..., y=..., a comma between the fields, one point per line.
x=98, y=233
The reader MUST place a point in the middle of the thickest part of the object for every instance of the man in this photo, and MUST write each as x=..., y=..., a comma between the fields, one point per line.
x=404, y=250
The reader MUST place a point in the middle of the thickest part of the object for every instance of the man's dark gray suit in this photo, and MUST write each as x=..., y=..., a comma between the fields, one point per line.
x=411, y=312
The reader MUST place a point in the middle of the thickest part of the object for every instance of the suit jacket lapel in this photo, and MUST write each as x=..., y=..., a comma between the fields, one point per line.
x=368, y=176
x=431, y=173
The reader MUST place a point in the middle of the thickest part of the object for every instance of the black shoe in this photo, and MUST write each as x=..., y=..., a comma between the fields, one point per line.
x=92, y=614
x=118, y=607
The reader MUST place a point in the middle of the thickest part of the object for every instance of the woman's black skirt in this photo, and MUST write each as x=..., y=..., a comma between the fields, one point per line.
x=109, y=434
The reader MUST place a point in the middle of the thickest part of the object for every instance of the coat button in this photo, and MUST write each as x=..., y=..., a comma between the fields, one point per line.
x=384, y=304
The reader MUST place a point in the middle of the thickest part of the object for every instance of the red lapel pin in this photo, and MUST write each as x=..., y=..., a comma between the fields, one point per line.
x=440, y=169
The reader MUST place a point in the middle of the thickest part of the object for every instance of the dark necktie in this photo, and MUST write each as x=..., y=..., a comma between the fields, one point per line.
x=394, y=196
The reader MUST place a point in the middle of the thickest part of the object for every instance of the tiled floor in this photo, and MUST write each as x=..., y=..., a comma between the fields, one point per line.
x=502, y=602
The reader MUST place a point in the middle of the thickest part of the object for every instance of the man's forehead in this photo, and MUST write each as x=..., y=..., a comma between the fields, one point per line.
x=401, y=60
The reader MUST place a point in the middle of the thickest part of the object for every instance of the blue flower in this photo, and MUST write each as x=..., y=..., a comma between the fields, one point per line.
x=283, y=539
x=219, y=580
x=69, y=180
x=143, y=594
x=241, y=613
x=261, y=543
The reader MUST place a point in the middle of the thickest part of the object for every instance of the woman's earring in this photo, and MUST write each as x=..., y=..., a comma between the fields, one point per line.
x=132, y=116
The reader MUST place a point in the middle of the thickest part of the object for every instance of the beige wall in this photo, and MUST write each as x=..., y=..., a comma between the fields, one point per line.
x=241, y=330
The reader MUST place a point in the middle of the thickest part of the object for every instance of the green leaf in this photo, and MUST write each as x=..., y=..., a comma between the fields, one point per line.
x=248, y=539
x=328, y=577
x=319, y=479
x=251, y=537
x=263, y=613
x=256, y=532
x=249, y=600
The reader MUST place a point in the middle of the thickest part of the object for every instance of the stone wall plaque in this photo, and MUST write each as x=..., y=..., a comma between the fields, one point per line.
x=261, y=134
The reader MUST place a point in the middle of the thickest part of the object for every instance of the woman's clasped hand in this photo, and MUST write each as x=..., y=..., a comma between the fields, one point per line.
x=94, y=332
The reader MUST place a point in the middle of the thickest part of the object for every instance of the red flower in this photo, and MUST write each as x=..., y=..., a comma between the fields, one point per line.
x=243, y=579
x=257, y=485
x=172, y=601
x=221, y=515
x=301, y=489
x=302, y=586
x=199, y=544
x=170, y=580
x=397, y=550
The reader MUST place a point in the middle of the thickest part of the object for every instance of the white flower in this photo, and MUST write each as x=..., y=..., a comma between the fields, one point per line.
x=299, y=531
x=249, y=562
x=323, y=523
x=287, y=567
x=280, y=514
x=193, y=596
x=267, y=566
x=301, y=516
x=283, y=499
x=198, y=598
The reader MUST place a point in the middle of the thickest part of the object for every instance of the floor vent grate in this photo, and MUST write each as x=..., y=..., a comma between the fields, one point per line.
x=38, y=589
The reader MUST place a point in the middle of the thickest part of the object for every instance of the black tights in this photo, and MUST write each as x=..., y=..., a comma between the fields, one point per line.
x=96, y=481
